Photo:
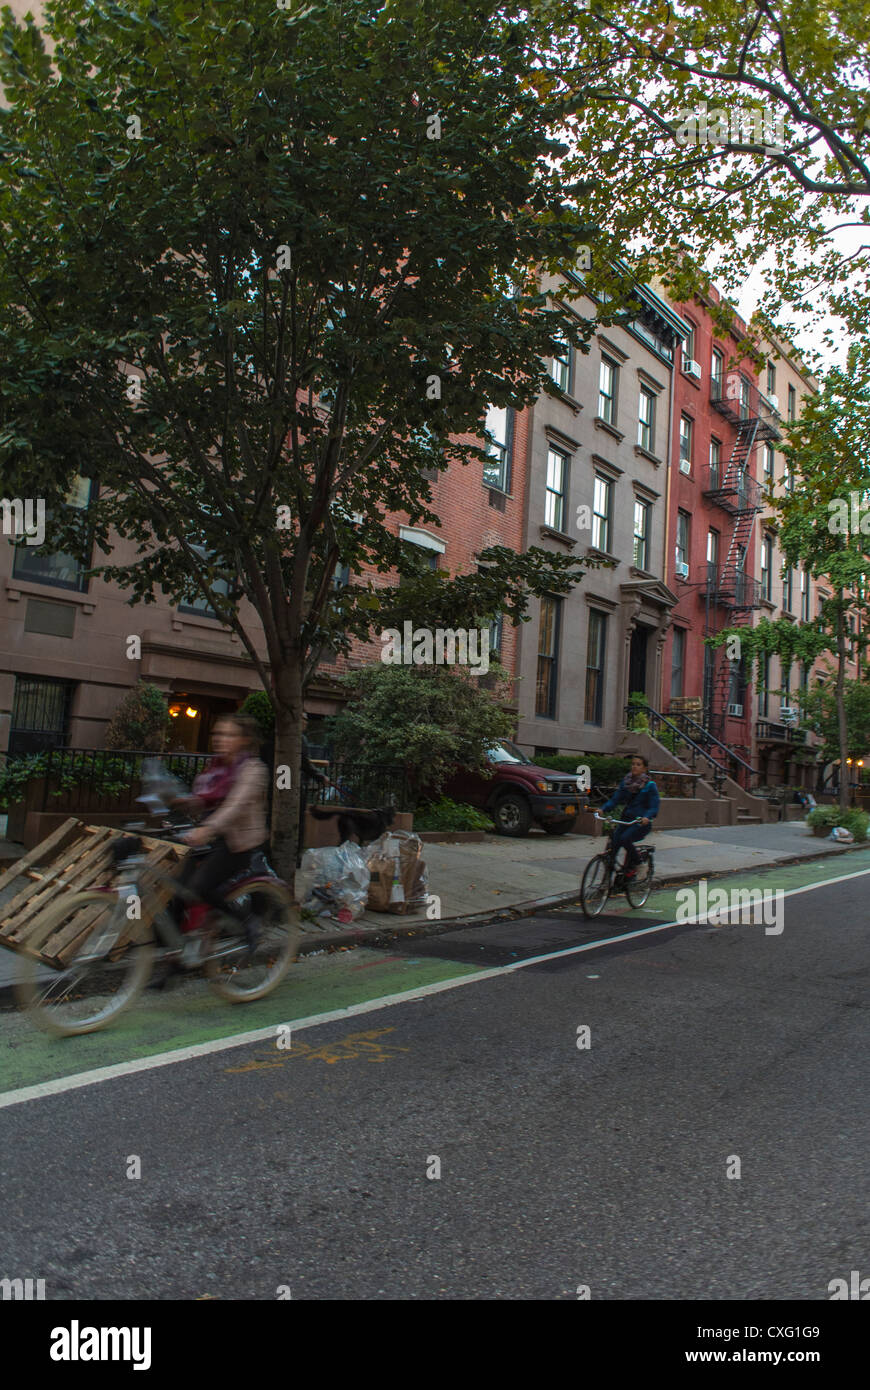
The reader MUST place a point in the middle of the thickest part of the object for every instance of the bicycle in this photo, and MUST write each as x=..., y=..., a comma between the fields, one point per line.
x=601, y=877
x=123, y=931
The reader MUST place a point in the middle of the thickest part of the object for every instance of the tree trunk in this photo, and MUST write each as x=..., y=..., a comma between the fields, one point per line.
x=288, y=755
x=842, y=728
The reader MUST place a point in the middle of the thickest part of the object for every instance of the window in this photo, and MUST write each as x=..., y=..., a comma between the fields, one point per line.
x=646, y=419
x=685, y=444
x=42, y=566
x=560, y=369
x=712, y=553
x=768, y=466
x=715, y=463
x=40, y=715
x=717, y=374
x=682, y=540
x=771, y=379
x=767, y=568
x=788, y=476
x=601, y=507
x=607, y=391
x=689, y=344
x=641, y=533
x=805, y=596
x=554, y=504
x=496, y=470
x=678, y=661
x=548, y=657
x=736, y=682
x=194, y=602
x=429, y=547
x=787, y=589
x=804, y=677
x=596, y=646
x=792, y=403
x=744, y=396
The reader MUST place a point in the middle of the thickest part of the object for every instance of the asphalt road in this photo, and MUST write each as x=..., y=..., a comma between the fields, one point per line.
x=607, y=1166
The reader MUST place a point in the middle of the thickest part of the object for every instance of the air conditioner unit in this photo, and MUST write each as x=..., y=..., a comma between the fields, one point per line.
x=691, y=368
x=788, y=714
x=736, y=711
x=682, y=570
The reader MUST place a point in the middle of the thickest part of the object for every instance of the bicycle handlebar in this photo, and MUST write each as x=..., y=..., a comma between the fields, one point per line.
x=618, y=822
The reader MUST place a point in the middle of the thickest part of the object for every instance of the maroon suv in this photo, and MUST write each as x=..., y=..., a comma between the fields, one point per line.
x=519, y=793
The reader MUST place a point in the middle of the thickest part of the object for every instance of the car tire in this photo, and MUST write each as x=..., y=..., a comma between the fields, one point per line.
x=512, y=815
x=561, y=829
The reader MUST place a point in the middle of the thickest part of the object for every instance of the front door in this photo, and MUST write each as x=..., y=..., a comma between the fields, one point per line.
x=637, y=660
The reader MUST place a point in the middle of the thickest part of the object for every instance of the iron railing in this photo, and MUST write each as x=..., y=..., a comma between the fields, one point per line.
x=79, y=778
x=368, y=785
x=769, y=732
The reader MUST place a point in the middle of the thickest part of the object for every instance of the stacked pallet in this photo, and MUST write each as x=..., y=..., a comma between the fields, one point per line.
x=73, y=858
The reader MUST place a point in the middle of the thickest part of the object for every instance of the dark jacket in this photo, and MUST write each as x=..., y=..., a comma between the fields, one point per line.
x=642, y=803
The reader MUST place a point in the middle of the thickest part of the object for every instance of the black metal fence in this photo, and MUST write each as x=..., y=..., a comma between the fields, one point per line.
x=370, y=785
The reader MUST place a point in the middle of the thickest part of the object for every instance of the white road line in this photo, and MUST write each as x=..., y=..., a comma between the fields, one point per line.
x=183, y=1054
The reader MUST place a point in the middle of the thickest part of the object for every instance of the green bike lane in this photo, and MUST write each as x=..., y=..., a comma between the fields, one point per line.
x=190, y=1016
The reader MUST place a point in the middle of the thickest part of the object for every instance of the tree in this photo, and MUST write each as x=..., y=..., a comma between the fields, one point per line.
x=427, y=719
x=825, y=525
x=821, y=714
x=261, y=269
x=762, y=107
x=141, y=720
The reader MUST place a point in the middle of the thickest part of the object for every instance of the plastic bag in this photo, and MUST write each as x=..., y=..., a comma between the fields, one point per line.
x=336, y=880
x=842, y=835
x=399, y=881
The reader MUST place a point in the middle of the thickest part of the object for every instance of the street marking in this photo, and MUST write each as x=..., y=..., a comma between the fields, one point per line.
x=387, y=1001
x=355, y=1047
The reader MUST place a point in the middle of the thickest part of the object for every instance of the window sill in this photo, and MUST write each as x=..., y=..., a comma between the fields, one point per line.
x=645, y=454
x=768, y=604
x=15, y=588
x=565, y=397
x=549, y=533
x=638, y=573
x=594, y=553
x=608, y=428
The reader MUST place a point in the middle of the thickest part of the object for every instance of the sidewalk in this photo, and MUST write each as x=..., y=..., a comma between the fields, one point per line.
x=475, y=882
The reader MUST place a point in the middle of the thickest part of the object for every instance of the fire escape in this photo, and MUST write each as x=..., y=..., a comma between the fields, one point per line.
x=730, y=594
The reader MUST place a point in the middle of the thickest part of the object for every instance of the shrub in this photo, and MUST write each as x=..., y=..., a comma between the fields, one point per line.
x=105, y=775
x=828, y=816
x=856, y=821
x=141, y=721
x=602, y=769
x=259, y=707
x=445, y=814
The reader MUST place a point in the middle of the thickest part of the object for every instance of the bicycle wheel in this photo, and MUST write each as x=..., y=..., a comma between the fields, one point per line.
x=240, y=969
x=98, y=964
x=638, y=889
x=595, y=887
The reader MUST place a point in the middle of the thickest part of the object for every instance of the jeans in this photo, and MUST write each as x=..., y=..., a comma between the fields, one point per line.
x=625, y=837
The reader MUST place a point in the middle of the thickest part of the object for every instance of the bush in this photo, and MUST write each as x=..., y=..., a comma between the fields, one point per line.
x=141, y=721
x=602, y=769
x=445, y=814
x=107, y=776
x=827, y=816
x=856, y=821
x=259, y=707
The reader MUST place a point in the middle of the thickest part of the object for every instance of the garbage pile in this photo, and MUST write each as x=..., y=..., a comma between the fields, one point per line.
x=339, y=882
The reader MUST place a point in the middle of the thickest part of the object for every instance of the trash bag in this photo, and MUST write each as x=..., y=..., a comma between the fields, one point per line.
x=336, y=882
x=399, y=881
x=842, y=835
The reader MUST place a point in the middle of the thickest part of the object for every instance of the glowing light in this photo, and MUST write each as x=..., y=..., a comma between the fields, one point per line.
x=191, y=712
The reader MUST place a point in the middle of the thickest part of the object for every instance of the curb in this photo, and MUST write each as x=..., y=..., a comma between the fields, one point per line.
x=363, y=936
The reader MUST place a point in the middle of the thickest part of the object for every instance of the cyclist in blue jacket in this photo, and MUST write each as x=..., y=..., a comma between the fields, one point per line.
x=641, y=797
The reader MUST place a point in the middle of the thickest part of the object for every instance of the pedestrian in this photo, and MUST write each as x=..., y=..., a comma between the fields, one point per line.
x=641, y=797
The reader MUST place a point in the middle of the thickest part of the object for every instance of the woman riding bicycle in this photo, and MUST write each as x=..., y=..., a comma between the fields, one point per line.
x=641, y=797
x=232, y=794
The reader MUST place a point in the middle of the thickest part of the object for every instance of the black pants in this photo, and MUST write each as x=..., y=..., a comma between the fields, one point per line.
x=204, y=874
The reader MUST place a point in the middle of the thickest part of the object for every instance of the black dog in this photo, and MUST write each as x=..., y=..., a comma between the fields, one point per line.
x=365, y=826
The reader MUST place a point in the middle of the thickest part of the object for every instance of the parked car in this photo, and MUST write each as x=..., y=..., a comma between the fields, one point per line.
x=519, y=793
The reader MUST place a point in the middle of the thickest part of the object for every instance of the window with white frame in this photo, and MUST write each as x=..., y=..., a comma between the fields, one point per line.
x=607, y=391
x=685, y=444
x=715, y=463
x=602, y=499
x=496, y=471
x=682, y=540
x=641, y=533
x=554, y=503
x=646, y=419
x=560, y=368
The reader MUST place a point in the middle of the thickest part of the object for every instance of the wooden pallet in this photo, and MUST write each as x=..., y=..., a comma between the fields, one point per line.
x=74, y=857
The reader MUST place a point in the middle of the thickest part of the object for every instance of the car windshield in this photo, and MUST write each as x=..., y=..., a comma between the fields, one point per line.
x=505, y=752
